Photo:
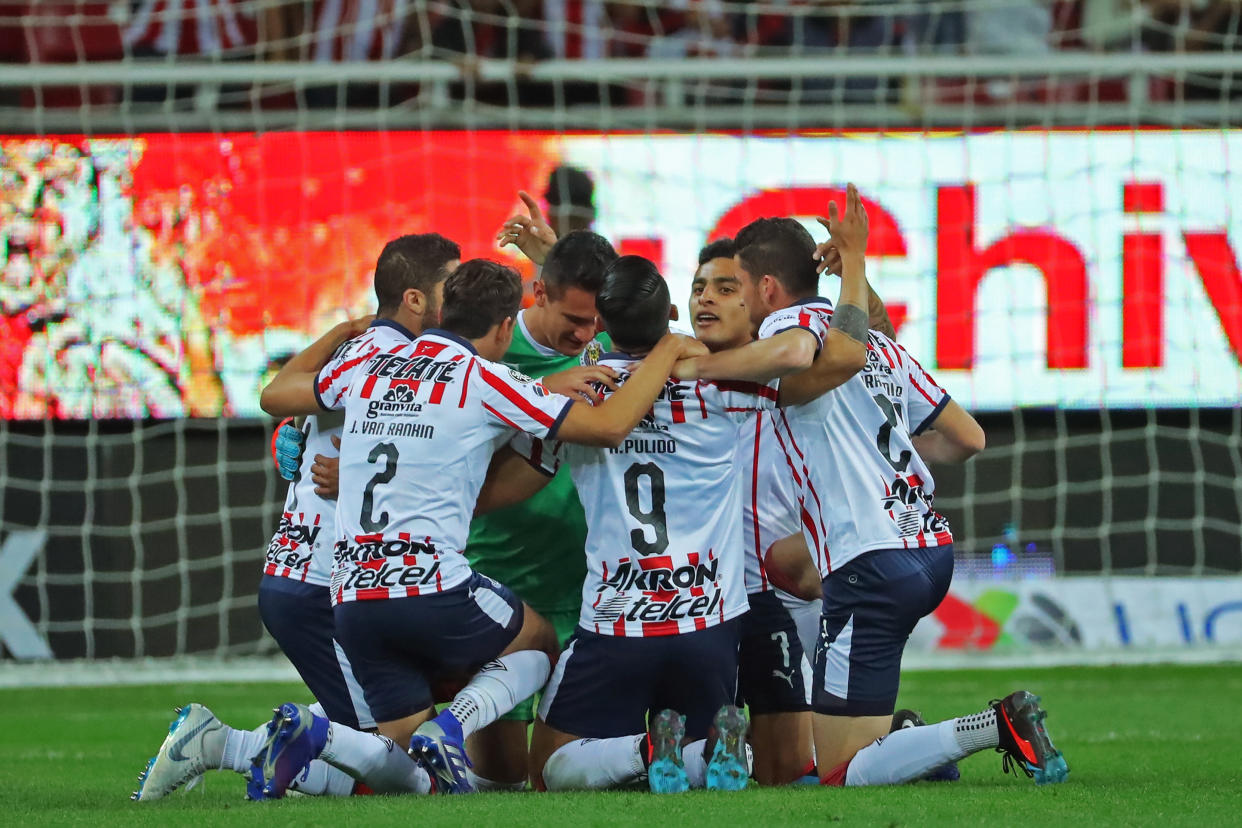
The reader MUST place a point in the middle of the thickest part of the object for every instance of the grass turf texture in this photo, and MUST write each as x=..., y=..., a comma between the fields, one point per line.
x=1145, y=745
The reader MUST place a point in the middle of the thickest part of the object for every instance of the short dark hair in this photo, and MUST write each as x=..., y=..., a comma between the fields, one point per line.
x=480, y=294
x=572, y=186
x=779, y=247
x=578, y=260
x=719, y=249
x=416, y=261
x=634, y=303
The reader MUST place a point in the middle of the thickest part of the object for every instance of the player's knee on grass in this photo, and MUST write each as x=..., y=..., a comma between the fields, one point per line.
x=782, y=747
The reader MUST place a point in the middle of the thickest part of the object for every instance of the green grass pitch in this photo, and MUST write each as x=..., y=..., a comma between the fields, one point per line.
x=1146, y=746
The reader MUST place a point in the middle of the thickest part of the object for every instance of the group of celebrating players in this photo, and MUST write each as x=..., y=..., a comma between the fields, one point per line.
x=746, y=523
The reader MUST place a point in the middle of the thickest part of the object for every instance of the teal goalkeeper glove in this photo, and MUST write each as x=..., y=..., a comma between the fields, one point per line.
x=287, y=446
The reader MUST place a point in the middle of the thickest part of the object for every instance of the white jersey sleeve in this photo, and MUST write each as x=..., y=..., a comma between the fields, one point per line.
x=514, y=399
x=924, y=398
x=800, y=317
x=334, y=377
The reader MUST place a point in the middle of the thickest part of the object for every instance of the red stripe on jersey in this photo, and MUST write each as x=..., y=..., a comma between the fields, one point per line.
x=700, y=623
x=501, y=417
x=785, y=451
x=792, y=441
x=270, y=569
x=679, y=411
x=888, y=357
x=809, y=523
x=754, y=502
x=919, y=388
x=698, y=392
x=373, y=594
x=437, y=392
x=765, y=391
x=516, y=398
x=326, y=382
x=411, y=592
x=654, y=628
x=804, y=320
x=943, y=538
x=618, y=628
x=368, y=386
x=465, y=384
x=658, y=562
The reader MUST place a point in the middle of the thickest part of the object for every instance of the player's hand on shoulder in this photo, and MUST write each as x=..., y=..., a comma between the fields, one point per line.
x=355, y=327
x=287, y=449
x=582, y=382
x=847, y=232
x=326, y=473
x=530, y=233
x=690, y=347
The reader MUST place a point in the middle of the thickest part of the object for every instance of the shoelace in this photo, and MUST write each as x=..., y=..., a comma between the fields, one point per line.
x=1008, y=762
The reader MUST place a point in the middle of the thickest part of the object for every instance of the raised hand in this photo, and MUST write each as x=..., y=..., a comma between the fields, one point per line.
x=530, y=233
x=847, y=233
x=581, y=382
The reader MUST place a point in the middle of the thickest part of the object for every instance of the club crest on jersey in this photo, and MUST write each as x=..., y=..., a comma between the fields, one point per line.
x=593, y=351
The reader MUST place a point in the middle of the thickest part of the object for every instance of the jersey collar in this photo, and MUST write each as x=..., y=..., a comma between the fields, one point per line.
x=540, y=348
x=451, y=337
x=811, y=300
x=395, y=325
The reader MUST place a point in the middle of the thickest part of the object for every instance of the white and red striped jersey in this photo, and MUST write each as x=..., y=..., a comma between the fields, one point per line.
x=664, y=547
x=354, y=30
x=772, y=500
x=421, y=423
x=301, y=549
x=865, y=486
x=302, y=546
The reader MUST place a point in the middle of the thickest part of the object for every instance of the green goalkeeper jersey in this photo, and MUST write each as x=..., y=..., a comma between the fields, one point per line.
x=537, y=547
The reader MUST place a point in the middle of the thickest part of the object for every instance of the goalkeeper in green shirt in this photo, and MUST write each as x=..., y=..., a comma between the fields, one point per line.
x=537, y=547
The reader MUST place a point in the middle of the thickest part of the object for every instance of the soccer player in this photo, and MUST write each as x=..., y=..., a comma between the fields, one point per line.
x=773, y=675
x=294, y=600
x=535, y=547
x=868, y=493
x=422, y=421
x=657, y=631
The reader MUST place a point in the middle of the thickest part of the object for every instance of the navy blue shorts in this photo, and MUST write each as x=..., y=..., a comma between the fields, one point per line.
x=605, y=685
x=870, y=608
x=770, y=660
x=299, y=616
x=399, y=645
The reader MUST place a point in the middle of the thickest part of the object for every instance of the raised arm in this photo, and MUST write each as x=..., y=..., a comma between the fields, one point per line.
x=292, y=391
x=953, y=437
x=608, y=424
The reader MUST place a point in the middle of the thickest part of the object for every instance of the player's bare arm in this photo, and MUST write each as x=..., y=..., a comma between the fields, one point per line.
x=953, y=437
x=292, y=391
x=530, y=233
x=510, y=480
x=763, y=361
x=608, y=424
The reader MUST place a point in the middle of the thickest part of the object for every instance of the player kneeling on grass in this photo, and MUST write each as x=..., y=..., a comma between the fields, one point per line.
x=657, y=634
x=869, y=493
x=421, y=424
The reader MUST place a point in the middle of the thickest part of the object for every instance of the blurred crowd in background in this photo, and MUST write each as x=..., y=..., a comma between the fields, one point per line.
x=530, y=31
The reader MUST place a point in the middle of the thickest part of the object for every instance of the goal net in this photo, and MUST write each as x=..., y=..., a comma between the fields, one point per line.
x=191, y=191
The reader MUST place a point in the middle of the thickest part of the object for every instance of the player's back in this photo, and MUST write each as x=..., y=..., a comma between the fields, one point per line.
x=664, y=545
x=862, y=474
x=421, y=424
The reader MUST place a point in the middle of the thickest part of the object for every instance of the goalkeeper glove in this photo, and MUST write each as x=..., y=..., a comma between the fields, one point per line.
x=287, y=445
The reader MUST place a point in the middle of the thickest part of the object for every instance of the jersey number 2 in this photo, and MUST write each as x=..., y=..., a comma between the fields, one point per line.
x=389, y=452
x=655, y=517
x=892, y=411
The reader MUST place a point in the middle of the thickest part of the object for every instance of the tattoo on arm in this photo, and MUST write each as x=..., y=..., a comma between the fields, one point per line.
x=851, y=320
